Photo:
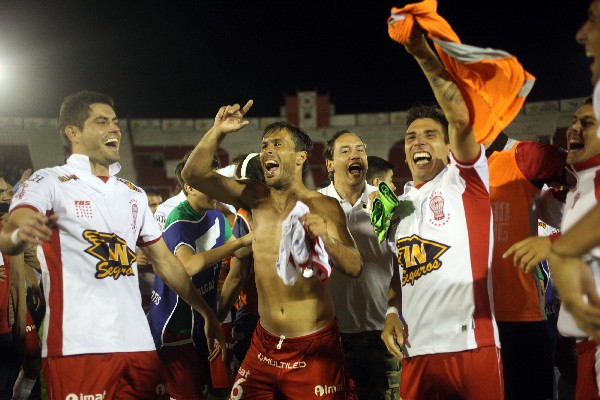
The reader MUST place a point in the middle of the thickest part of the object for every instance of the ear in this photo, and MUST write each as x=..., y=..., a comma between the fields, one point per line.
x=301, y=157
x=71, y=131
x=376, y=182
x=188, y=189
x=329, y=165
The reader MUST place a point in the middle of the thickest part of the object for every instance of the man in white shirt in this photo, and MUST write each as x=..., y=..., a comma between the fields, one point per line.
x=360, y=304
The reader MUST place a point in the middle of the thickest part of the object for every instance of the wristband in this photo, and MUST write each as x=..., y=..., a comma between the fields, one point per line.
x=14, y=238
x=392, y=310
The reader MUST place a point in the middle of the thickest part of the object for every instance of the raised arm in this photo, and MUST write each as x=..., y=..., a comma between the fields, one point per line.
x=460, y=131
x=197, y=171
x=328, y=221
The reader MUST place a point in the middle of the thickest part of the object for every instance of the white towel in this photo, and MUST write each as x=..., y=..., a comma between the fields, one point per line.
x=298, y=253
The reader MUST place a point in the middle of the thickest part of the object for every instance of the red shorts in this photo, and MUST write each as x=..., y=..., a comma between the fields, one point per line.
x=185, y=375
x=134, y=375
x=299, y=368
x=472, y=374
x=586, y=387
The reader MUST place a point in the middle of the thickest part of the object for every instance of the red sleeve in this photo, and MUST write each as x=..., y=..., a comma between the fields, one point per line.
x=553, y=237
x=540, y=161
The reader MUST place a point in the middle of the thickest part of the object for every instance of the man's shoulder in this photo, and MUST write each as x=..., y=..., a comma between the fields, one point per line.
x=129, y=185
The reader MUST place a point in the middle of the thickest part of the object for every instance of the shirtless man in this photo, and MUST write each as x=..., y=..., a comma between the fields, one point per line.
x=296, y=349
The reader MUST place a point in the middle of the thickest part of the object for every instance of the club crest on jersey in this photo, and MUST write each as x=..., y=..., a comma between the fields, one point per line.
x=115, y=259
x=436, y=204
x=66, y=178
x=129, y=185
x=418, y=257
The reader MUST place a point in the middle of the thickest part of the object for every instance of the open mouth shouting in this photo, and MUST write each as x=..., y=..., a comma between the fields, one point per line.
x=576, y=143
x=356, y=169
x=112, y=143
x=270, y=166
x=421, y=158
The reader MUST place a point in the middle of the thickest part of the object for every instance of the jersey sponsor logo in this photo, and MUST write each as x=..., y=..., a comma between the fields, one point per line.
x=321, y=390
x=115, y=258
x=66, y=178
x=155, y=297
x=418, y=257
x=134, y=213
x=161, y=389
x=81, y=396
x=207, y=287
x=83, y=209
x=279, y=364
x=436, y=205
x=129, y=185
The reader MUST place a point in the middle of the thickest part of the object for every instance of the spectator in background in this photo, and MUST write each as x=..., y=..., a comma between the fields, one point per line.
x=380, y=170
x=360, y=304
x=154, y=199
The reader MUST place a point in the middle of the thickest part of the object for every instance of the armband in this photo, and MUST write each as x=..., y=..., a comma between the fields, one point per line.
x=392, y=310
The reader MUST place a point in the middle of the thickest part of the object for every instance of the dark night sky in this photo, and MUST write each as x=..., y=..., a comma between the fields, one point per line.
x=186, y=58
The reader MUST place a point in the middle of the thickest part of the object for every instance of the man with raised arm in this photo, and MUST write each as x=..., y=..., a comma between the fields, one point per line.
x=450, y=341
x=296, y=349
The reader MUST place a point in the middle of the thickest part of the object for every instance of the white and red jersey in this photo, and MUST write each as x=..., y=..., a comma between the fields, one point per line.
x=580, y=200
x=444, y=250
x=89, y=268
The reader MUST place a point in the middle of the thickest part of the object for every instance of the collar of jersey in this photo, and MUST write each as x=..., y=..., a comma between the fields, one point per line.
x=364, y=197
x=82, y=162
x=589, y=163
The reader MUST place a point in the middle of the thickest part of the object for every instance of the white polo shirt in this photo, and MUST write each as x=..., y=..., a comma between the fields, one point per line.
x=360, y=304
x=89, y=268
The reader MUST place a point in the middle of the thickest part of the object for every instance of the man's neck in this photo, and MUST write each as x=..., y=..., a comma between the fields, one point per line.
x=350, y=193
x=282, y=198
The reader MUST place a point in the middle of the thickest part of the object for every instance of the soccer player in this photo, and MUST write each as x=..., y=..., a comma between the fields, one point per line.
x=450, y=341
x=87, y=222
x=296, y=349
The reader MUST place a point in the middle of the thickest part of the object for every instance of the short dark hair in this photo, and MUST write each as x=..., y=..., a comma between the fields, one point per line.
x=302, y=141
x=328, y=152
x=179, y=167
x=378, y=167
x=433, y=112
x=150, y=191
x=588, y=100
x=75, y=109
